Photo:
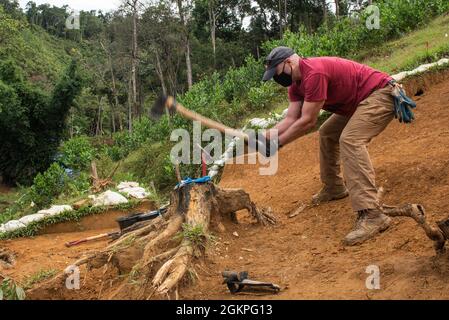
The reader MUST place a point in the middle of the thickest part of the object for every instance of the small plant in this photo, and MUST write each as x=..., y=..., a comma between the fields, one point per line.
x=9, y=290
x=156, y=196
x=195, y=235
x=134, y=274
x=38, y=277
x=77, y=153
x=48, y=186
x=78, y=186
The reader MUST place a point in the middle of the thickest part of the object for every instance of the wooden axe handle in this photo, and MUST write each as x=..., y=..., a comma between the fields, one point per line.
x=77, y=242
x=209, y=123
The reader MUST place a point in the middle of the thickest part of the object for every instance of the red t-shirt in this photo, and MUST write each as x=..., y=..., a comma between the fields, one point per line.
x=342, y=83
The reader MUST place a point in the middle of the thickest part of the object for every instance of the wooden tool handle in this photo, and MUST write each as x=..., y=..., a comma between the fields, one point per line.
x=209, y=123
x=77, y=242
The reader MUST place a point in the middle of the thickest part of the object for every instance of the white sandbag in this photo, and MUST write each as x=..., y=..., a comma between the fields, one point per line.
x=136, y=192
x=220, y=162
x=421, y=69
x=443, y=61
x=12, y=225
x=55, y=210
x=109, y=198
x=258, y=123
x=127, y=184
x=400, y=76
x=132, y=189
x=213, y=173
x=26, y=220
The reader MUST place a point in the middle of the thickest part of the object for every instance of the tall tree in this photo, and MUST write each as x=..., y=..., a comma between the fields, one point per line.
x=183, y=10
x=115, y=104
x=161, y=37
x=212, y=9
x=134, y=108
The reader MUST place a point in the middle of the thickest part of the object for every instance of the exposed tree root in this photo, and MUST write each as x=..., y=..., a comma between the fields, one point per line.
x=155, y=256
x=417, y=213
x=98, y=185
x=7, y=259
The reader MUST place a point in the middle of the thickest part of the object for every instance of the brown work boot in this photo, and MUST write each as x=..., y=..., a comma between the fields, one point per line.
x=327, y=195
x=369, y=223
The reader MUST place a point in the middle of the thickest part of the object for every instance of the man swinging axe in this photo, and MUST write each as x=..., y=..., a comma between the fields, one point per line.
x=363, y=102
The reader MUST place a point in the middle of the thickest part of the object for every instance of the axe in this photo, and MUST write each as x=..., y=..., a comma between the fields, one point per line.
x=112, y=235
x=169, y=103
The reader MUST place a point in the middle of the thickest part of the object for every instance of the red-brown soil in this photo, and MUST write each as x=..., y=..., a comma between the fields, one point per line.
x=304, y=255
x=48, y=252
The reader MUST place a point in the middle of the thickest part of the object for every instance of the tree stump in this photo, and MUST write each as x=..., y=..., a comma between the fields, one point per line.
x=160, y=252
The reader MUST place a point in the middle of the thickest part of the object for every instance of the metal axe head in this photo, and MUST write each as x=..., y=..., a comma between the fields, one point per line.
x=159, y=106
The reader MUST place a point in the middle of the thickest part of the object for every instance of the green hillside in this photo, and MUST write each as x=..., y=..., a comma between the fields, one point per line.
x=37, y=62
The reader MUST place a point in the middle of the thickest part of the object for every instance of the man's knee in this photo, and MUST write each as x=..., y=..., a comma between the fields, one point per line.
x=345, y=140
x=325, y=132
x=348, y=144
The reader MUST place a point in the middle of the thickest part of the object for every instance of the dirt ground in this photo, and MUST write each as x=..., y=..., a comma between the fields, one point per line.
x=304, y=255
x=48, y=252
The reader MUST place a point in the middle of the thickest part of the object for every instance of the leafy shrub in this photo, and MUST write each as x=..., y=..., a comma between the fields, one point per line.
x=77, y=153
x=238, y=81
x=78, y=186
x=144, y=130
x=348, y=35
x=151, y=163
x=48, y=185
x=9, y=290
x=261, y=97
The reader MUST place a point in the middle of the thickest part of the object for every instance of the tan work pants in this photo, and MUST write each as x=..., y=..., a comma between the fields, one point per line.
x=346, y=138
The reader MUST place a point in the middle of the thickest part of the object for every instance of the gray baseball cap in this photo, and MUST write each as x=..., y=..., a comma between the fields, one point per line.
x=276, y=56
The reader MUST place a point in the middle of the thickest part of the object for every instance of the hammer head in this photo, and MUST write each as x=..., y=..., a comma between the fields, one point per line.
x=159, y=106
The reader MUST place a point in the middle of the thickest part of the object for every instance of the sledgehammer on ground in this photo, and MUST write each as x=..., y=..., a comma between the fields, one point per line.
x=170, y=103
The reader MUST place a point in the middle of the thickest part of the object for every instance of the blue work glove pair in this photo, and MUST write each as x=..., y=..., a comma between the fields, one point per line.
x=403, y=105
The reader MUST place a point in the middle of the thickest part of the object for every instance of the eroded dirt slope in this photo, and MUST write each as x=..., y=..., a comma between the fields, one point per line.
x=304, y=255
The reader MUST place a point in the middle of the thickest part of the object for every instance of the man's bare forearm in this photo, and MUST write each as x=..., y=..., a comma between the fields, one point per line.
x=282, y=126
x=295, y=131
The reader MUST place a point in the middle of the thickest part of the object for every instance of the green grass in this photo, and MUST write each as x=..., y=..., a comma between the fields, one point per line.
x=411, y=50
x=44, y=57
x=10, y=290
x=7, y=199
x=195, y=235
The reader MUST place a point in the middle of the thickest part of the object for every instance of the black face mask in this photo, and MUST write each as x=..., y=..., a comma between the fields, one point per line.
x=283, y=79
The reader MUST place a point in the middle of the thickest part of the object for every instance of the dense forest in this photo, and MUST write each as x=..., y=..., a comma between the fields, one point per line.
x=144, y=48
